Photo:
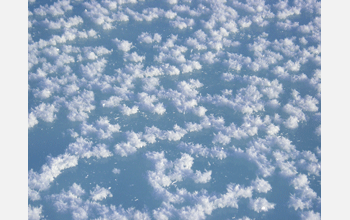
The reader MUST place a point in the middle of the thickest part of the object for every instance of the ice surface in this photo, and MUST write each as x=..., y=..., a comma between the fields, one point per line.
x=176, y=109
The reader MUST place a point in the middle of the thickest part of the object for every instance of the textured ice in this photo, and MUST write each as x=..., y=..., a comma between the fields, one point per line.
x=174, y=109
